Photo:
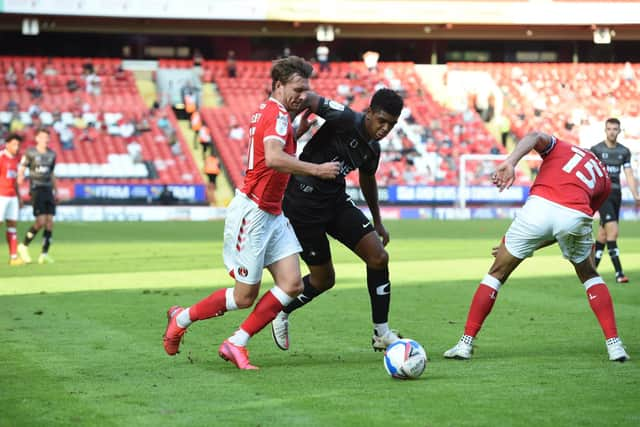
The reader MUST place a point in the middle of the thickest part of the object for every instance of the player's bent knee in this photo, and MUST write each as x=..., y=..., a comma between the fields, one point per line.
x=379, y=260
x=244, y=301
x=324, y=282
x=293, y=288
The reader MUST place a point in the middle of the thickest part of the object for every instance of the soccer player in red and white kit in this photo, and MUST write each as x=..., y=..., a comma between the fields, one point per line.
x=256, y=234
x=10, y=202
x=571, y=185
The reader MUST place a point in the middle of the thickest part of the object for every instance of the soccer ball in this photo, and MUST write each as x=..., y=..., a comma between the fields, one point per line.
x=405, y=359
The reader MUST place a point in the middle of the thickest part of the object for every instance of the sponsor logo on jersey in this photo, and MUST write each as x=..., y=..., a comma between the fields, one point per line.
x=353, y=143
x=282, y=123
x=336, y=106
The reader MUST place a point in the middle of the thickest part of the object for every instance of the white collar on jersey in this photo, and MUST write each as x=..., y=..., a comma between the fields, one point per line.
x=271, y=98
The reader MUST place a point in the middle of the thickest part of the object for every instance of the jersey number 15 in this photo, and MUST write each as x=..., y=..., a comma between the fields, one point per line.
x=592, y=168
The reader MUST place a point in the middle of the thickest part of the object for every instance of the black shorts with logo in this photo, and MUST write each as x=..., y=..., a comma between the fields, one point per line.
x=43, y=201
x=610, y=209
x=314, y=217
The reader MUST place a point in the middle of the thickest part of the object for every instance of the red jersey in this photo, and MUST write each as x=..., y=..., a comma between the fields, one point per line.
x=262, y=184
x=8, y=174
x=572, y=177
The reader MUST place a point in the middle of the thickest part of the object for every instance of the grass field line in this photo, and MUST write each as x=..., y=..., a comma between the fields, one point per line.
x=349, y=275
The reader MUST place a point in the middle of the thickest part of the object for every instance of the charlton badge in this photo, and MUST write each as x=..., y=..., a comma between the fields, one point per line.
x=242, y=271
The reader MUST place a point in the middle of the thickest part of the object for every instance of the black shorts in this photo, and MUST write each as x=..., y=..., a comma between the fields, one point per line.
x=342, y=220
x=43, y=201
x=212, y=177
x=610, y=209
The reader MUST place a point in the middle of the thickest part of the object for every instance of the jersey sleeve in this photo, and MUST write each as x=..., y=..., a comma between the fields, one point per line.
x=626, y=159
x=336, y=114
x=26, y=159
x=275, y=125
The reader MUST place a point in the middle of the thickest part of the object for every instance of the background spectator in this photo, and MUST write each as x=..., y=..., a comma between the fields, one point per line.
x=232, y=66
x=135, y=151
x=322, y=55
x=236, y=132
x=66, y=137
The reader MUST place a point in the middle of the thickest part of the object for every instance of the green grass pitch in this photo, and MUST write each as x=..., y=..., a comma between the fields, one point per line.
x=80, y=340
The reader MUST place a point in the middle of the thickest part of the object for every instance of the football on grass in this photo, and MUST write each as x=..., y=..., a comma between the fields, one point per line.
x=405, y=359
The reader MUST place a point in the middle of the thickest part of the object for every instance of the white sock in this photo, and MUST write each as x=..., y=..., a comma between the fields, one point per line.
x=240, y=338
x=183, y=319
x=381, y=328
x=230, y=300
x=281, y=296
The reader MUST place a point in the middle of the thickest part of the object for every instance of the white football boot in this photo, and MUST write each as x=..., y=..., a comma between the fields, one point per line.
x=462, y=350
x=280, y=330
x=23, y=251
x=381, y=343
x=616, y=350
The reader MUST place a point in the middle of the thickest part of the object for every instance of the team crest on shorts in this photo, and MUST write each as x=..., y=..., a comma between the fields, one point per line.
x=242, y=271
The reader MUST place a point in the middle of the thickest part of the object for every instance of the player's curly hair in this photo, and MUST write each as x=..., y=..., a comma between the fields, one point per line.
x=388, y=101
x=284, y=69
x=13, y=136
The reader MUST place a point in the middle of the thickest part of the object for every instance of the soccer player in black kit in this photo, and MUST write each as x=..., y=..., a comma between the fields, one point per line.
x=317, y=208
x=615, y=157
x=41, y=161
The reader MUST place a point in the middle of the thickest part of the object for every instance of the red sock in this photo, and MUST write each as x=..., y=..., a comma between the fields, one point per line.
x=602, y=306
x=212, y=306
x=263, y=313
x=12, y=240
x=481, y=306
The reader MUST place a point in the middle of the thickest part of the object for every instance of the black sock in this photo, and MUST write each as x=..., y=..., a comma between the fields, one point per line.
x=598, y=252
x=614, y=253
x=379, y=293
x=305, y=297
x=46, y=241
x=30, y=235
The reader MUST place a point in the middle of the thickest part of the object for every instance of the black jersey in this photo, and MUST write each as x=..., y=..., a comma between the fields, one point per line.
x=615, y=159
x=40, y=166
x=341, y=138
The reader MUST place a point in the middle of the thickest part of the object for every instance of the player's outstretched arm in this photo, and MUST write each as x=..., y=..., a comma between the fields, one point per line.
x=277, y=159
x=504, y=175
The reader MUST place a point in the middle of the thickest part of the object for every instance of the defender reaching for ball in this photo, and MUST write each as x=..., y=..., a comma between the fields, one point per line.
x=571, y=186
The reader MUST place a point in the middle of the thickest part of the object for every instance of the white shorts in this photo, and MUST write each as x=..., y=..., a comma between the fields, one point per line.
x=9, y=207
x=254, y=239
x=541, y=220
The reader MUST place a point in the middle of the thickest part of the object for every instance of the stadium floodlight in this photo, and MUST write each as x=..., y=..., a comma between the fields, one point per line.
x=325, y=33
x=601, y=36
x=30, y=27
